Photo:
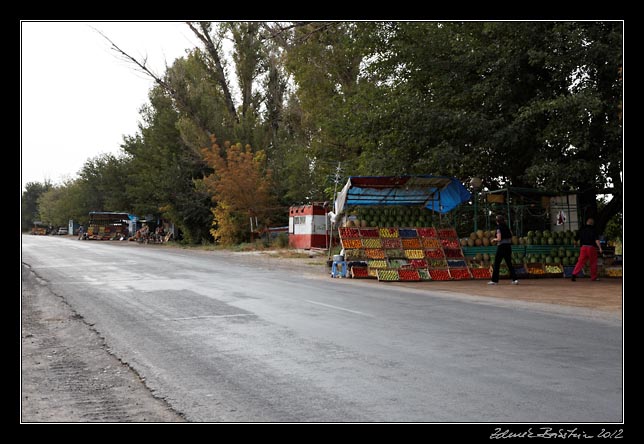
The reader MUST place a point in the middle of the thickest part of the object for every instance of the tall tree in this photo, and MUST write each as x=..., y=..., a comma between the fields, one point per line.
x=527, y=104
x=163, y=169
x=70, y=200
x=241, y=188
x=60, y=204
x=205, y=110
x=29, y=203
x=324, y=60
x=101, y=179
x=215, y=61
x=248, y=55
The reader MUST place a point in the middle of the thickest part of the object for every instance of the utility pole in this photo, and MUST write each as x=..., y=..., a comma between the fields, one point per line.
x=338, y=170
x=336, y=180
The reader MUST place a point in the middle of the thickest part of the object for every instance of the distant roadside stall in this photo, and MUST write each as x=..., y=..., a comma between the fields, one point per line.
x=105, y=225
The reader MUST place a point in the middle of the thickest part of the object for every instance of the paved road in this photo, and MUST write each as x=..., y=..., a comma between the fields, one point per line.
x=228, y=341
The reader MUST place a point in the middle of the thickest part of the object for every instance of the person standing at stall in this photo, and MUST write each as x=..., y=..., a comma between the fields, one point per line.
x=588, y=239
x=503, y=240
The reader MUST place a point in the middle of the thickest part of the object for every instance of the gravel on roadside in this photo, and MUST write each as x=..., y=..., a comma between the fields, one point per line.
x=68, y=374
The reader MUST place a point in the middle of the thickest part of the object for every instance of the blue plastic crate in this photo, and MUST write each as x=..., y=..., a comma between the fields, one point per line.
x=521, y=272
x=407, y=232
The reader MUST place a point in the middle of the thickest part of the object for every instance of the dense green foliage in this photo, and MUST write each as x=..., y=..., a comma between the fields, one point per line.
x=527, y=104
x=29, y=203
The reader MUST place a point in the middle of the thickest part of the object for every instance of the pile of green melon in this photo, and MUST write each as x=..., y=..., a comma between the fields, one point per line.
x=483, y=238
x=547, y=237
x=390, y=216
x=557, y=256
x=488, y=259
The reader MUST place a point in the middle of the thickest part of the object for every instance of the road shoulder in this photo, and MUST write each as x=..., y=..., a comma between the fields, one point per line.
x=67, y=373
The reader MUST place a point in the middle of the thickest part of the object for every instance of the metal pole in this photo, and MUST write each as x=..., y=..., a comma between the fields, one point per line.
x=568, y=211
x=509, y=221
x=475, y=212
x=326, y=227
x=335, y=196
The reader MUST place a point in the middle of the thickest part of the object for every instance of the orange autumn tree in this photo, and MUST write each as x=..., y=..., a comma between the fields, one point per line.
x=240, y=186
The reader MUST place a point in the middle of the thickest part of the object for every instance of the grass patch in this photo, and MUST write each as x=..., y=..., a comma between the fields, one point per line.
x=290, y=254
x=317, y=263
x=259, y=245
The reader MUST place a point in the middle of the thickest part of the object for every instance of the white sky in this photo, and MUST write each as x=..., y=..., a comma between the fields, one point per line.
x=78, y=97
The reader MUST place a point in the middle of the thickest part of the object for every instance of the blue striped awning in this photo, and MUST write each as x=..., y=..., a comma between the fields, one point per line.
x=437, y=193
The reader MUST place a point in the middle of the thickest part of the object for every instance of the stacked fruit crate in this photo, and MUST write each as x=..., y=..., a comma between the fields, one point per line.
x=405, y=254
x=456, y=264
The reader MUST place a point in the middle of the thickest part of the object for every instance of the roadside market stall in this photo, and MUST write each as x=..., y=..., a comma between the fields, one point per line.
x=539, y=254
x=545, y=225
x=393, y=229
x=108, y=225
x=386, y=228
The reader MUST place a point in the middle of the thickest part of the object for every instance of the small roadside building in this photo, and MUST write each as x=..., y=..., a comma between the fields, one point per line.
x=309, y=226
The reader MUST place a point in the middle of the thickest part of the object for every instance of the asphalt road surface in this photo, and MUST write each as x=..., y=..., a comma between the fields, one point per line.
x=226, y=340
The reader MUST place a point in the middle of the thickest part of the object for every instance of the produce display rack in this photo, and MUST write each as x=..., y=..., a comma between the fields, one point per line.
x=393, y=254
x=405, y=253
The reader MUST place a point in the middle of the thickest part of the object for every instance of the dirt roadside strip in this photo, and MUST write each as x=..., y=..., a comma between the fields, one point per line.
x=67, y=372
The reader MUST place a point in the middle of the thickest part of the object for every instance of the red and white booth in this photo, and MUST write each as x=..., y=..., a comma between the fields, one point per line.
x=308, y=227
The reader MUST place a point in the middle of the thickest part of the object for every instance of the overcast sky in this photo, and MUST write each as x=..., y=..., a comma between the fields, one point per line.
x=78, y=97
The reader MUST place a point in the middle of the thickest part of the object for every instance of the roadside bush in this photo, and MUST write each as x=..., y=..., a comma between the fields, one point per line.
x=281, y=241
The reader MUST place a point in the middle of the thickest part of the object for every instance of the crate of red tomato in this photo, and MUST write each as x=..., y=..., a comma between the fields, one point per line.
x=481, y=273
x=447, y=233
x=359, y=272
x=439, y=275
x=427, y=232
x=408, y=275
x=460, y=273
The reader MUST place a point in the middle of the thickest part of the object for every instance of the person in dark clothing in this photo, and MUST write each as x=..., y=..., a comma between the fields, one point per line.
x=503, y=251
x=589, y=241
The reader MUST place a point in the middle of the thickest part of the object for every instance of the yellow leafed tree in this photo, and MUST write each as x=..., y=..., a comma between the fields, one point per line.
x=241, y=189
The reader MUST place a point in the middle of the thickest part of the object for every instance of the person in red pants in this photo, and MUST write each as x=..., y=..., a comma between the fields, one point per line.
x=589, y=243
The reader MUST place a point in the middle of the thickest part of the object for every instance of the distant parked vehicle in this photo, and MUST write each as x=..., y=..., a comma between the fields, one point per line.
x=62, y=231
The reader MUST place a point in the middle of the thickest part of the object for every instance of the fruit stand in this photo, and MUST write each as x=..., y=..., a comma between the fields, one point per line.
x=391, y=229
x=387, y=228
x=538, y=254
x=404, y=254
